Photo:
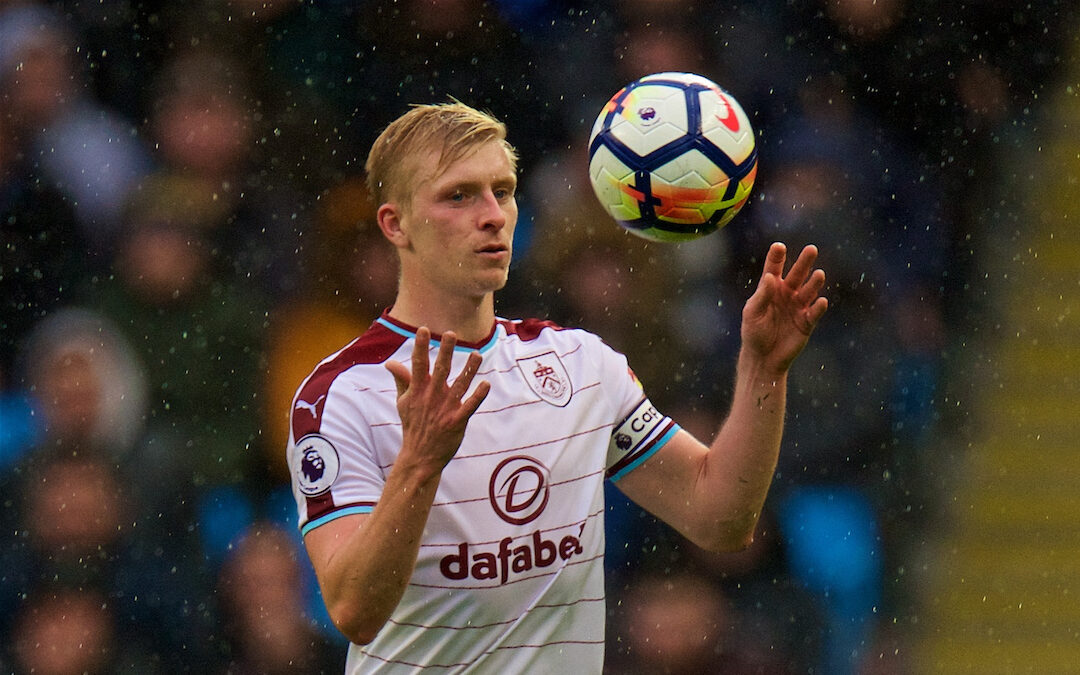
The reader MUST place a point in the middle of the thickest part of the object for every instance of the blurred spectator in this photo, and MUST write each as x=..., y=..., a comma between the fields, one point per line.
x=680, y=623
x=263, y=609
x=202, y=121
x=778, y=617
x=661, y=36
x=77, y=509
x=77, y=386
x=199, y=335
x=865, y=21
x=88, y=385
x=69, y=630
x=74, y=524
x=82, y=148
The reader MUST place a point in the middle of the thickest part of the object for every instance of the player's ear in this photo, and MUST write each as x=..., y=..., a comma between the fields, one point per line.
x=389, y=219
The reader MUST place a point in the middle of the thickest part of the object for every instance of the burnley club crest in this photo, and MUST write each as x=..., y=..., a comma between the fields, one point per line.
x=547, y=377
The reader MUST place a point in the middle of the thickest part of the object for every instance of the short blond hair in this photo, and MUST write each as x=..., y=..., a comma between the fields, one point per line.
x=454, y=129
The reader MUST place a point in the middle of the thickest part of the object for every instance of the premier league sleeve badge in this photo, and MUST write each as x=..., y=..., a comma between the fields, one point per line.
x=315, y=465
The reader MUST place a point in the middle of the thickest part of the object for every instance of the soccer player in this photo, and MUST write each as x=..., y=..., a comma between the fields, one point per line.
x=448, y=464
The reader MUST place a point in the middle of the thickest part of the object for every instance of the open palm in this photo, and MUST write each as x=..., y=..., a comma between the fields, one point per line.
x=784, y=309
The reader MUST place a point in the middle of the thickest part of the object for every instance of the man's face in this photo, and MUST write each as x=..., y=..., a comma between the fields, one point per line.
x=460, y=224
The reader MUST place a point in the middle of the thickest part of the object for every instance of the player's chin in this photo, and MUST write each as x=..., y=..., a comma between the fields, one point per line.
x=491, y=280
x=500, y=280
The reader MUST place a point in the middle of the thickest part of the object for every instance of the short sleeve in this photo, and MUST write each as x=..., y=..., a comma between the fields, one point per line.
x=334, y=464
x=639, y=430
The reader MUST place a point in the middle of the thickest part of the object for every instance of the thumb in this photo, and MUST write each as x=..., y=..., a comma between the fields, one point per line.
x=402, y=376
x=758, y=303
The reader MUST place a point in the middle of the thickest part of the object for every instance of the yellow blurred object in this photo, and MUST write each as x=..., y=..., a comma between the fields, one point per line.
x=304, y=335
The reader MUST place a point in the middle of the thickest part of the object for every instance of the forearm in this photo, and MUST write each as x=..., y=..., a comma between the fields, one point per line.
x=362, y=583
x=738, y=469
x=714, y=494
x=364, y=563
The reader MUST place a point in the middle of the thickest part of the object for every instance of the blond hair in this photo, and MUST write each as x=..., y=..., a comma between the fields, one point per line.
x=452, y=129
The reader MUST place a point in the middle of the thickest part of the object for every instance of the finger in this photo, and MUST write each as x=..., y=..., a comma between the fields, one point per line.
x=816, y=311
x=420, y=363
x=465, y=377
x=774, y=260
x=441, y=372
x=812, y=287
x=799, y=272
x=471, y=404
x=401, y=376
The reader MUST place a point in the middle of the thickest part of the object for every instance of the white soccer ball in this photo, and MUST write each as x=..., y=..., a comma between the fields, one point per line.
x=672, y=157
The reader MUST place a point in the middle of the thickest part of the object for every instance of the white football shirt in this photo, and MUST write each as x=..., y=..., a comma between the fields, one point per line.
x=509, y=576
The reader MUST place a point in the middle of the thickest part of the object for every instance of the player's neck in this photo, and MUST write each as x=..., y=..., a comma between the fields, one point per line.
x=469, y=318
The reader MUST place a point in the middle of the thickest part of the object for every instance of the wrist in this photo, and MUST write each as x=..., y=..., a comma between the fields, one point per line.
x=416, y=475
x=760, y=369
x=760, y=385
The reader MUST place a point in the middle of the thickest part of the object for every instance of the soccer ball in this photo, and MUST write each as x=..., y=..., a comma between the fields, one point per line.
x=672, y=157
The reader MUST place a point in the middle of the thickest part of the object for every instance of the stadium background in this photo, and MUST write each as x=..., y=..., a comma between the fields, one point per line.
x=186, y=232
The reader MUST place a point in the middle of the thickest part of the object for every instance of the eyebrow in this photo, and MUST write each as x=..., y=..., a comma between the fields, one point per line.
x=506, y=181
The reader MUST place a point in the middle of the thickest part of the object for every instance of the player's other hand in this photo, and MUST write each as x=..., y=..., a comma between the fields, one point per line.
x=434, y=412
x=785, y=308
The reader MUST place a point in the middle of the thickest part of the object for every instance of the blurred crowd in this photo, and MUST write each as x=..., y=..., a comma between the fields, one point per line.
x=186, y=233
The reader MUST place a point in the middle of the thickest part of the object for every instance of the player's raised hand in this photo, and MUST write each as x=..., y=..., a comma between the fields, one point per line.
x=784, y=309
x=434, y=412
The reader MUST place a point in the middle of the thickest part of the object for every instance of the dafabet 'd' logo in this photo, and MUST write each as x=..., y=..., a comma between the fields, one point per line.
x=518, y=492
